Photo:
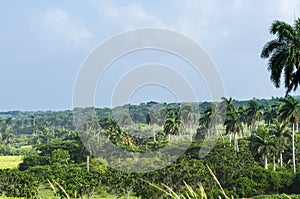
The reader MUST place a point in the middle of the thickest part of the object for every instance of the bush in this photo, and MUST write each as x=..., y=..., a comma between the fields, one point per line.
x=243, y=187
x=267, y=182
x=14, y=183
x=296, y=184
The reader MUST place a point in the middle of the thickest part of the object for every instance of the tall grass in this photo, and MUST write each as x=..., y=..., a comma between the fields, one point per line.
x=190, y=193
x=52, y=185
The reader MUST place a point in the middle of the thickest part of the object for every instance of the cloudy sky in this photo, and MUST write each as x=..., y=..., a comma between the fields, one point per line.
x=44, y=43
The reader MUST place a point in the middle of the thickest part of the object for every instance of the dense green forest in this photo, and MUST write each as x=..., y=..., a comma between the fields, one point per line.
x=253, y=154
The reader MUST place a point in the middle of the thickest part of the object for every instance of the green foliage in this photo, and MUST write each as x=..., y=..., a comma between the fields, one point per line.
x=14, y=183
x=283, y=54
x=59, y=155
x=77, y=182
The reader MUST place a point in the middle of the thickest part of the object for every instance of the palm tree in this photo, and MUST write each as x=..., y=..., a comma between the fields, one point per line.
x=282, y=133
x=268, y=115
x=242, y=111
x=276, y=108
x=283, y=53
x=243, y=114
x=150, y=121
x=234, y=126
x=8, y=137
x=173, y=122
x=290, y=112
x=227, y=105
x=254, y=113
x=262, y=143
x=205, y=119
x=228, y=108
x=188, y=118
x=34, y=128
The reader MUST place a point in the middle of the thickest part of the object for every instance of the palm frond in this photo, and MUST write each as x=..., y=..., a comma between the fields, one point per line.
x=282, y=30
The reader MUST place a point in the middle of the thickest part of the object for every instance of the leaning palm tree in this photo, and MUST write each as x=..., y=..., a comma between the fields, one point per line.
x=283, y=53
x=290, y=112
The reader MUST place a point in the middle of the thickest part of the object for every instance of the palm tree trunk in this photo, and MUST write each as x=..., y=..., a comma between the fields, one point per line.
x=154, y=138
x=128, y=195
x=293, y=147
x=266, y=161
x=230, y=138
x=223, y=140
x=274, y=162
x=191, y=136
x=280, y=157
x=236, y=144
x=88, y=163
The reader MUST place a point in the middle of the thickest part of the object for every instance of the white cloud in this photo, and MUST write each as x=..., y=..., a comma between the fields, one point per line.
x=126, y=16
x=59, y=21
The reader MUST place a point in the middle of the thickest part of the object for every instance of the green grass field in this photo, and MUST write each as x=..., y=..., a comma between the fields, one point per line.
x=9, y=162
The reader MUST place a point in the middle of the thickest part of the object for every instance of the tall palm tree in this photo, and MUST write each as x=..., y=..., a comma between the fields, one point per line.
x=254, y=113
x=227, y=103
x=243, y=114
x=228, y=108
x=188, y=118
x=8, y=137
x=205, y=117
x=210, y=119
x=173, y=122
x=276, y=108
x=263, y=143
x=290, y=112
x=34, y=127
x=234, y=126
x=267, y=115
x=242, y=111
x=283, y=53
x=282, y=134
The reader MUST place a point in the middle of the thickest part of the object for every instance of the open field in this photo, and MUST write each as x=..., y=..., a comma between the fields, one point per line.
x=9, y=162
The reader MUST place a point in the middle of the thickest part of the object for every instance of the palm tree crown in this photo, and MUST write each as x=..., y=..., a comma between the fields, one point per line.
x=283, y=53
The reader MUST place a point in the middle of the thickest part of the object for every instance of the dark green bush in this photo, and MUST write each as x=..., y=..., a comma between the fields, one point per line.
x=14, y=183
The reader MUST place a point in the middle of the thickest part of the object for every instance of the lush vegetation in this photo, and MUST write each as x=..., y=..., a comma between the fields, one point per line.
x=253, y=155
x=255, y=144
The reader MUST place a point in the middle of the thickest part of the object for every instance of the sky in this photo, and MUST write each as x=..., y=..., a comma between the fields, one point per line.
x=44, y=43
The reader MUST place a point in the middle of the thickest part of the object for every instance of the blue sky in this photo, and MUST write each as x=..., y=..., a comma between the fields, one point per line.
x=43, y=44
